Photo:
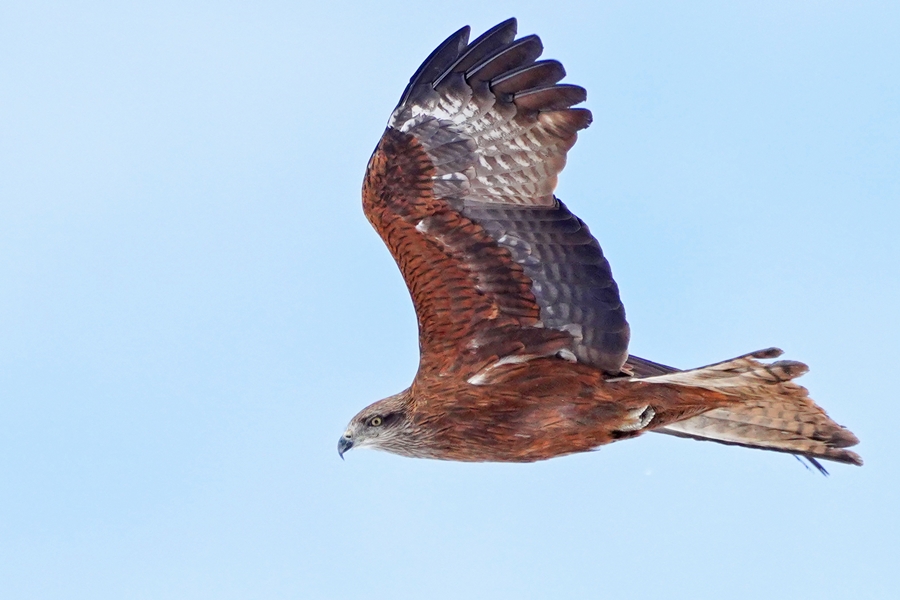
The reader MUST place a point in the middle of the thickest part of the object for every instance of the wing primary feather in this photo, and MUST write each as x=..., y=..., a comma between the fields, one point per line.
x=523, y=51
x=554, y=97
x=540, y=74
x=486, y=44
x=437, y=62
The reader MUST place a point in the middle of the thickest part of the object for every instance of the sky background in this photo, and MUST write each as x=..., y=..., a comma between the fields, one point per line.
x=193, y=306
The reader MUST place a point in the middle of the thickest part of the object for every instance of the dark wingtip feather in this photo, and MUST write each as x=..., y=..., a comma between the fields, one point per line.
x=438, y=61
x=540, y=74
x=554, y=97
x=487, y=43
x=521, y=52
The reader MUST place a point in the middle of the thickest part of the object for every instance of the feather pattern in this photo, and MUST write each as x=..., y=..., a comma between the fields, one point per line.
x=492, y=127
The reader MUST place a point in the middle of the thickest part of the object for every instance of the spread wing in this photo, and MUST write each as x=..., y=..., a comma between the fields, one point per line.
x=460, y=188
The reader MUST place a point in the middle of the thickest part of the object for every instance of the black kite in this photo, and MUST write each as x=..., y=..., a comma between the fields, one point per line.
x=522, y=335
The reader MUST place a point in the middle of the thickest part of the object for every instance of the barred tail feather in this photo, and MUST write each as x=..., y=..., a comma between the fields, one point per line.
x=773, y=413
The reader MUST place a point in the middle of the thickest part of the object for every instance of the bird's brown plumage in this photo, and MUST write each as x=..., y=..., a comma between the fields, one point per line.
x=522, y=335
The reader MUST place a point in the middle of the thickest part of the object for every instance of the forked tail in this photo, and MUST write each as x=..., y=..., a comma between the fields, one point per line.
x=774, y=412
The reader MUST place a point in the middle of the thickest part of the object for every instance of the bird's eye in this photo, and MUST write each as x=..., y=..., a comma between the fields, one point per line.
x=376, y=421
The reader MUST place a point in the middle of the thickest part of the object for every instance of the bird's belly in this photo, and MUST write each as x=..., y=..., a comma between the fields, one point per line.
x=526, y=433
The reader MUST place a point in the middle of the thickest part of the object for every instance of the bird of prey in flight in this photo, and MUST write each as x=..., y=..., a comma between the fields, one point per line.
x=522, y=336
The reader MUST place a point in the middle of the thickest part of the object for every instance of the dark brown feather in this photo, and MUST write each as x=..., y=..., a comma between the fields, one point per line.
x=554, y=97
x=487, y=43
x=540, y=74
x=522, y=52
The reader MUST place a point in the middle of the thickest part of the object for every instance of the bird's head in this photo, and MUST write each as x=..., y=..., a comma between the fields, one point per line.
x=384, y=425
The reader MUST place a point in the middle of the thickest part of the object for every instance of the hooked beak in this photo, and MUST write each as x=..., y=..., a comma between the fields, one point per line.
x=344, y=444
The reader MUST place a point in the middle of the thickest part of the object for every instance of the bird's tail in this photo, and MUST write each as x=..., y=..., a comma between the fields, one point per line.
x=773, y=413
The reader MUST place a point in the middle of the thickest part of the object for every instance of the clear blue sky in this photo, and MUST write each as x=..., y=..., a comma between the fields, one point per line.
x=192, y=304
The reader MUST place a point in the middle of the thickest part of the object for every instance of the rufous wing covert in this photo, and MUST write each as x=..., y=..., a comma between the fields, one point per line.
x=522, y=334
